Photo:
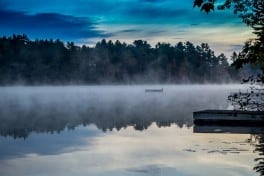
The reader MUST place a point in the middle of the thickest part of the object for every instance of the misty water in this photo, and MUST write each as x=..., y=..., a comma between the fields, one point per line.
x=120, y=130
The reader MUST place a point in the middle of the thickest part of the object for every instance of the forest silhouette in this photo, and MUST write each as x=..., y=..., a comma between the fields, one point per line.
x=23, y=61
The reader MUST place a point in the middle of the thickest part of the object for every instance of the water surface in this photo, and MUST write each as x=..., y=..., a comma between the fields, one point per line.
x=119, y=130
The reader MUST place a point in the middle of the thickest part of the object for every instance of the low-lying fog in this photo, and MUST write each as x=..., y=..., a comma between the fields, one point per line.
x=47, y=109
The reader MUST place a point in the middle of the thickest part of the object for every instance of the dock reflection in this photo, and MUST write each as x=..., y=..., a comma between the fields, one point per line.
x=228, y=129
x=256, y=139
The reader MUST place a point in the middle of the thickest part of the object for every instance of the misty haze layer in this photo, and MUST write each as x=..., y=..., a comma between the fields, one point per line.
x=52, y=109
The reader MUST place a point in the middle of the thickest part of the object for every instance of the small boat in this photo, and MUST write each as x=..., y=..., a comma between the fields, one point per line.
x=229, y=117
x=154, y=90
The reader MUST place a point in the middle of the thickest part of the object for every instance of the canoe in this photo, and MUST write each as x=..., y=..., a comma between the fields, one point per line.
x=229, y=117
x=154, y=90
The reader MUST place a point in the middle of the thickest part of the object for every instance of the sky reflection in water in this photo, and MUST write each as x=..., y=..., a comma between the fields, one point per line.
x=126, y=132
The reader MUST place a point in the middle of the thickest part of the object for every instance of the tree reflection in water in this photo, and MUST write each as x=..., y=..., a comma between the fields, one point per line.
x=258, y=142
x=20, y=124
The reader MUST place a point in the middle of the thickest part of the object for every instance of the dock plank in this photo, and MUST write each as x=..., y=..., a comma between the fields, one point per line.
x=229, y=117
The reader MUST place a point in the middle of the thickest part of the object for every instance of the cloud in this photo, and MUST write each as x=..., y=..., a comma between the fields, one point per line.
x=177, y=38
x=129, y=31
x=168, y=12
x=127, y=20
x=151, y=1
x=236, y=48
x=137, y=32
x=153, y=32
x=153, y=12
x=48, y=25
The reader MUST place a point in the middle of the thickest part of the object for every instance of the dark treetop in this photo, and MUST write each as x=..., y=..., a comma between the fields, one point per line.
x=23, y=61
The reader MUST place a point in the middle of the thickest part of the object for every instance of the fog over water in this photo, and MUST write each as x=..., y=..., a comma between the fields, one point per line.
x=47, y=109
x=118, y=130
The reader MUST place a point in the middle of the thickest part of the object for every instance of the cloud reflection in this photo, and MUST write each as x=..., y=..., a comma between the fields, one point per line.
x=159, y=151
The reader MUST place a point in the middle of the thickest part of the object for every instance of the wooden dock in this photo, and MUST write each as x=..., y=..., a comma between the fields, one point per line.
x=229, y=117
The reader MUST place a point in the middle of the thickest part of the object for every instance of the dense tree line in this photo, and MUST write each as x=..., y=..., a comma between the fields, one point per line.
x=23, y=61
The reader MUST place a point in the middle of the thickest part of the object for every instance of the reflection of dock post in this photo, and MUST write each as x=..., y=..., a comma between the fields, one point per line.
x=228, y=129
x=228, y=121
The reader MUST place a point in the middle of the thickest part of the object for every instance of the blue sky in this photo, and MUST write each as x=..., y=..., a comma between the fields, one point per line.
x=87, y=21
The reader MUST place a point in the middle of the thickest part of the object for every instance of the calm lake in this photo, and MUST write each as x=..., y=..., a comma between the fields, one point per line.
x=120, y=130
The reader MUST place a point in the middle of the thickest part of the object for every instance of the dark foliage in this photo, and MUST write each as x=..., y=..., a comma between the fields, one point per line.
x=252, y=14
x=52, y=62
x=251, y=99
x=257, y=141
x=259, y=148
x=205, y=5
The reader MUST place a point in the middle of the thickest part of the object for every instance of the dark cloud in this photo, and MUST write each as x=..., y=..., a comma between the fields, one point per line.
x=47, y=25
x=151, y=1
x=152, y=12
x=142, y=31
x=153, y=32
x=180, y=31
x=3, y=4
x=130, y=30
